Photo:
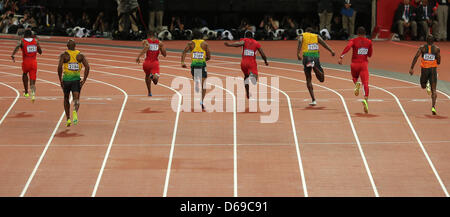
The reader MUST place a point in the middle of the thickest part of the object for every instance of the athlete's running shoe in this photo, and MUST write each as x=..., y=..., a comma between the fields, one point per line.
x=75, y=117
x=366, y=106
x=313, y=103
x=428, y=88
x=357, y=87
x=433, y=110
x=26, y=94
x=68, y=123
x=150, y=94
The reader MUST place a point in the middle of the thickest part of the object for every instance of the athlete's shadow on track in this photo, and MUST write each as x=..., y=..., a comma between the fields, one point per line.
x=436, y=117
x=66, y=133
x=22, y=115
x=315, y=108
x=149, y=111
x=363, y=115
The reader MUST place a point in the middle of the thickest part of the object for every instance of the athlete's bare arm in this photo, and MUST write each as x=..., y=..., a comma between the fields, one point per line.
x=235, y=44
x=18, y=46
x=416, y=57
x=438, y=55
x=325, y=45
x=205, y=47
x=144, y=50
x=62, y=58
x=39, y=50
x=187, y=49
x=263, y=55
x=81, y=58
x=299, y=48
x=162, y=49
x=346, y=49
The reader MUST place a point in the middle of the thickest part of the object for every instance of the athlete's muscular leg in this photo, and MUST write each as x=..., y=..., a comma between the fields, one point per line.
x=309, y=83
x=76, y=100
x=155, y=78
x=203, y=85
x=364, y=75
x=433, y=82
x=320, y=75
x=67, y=104
x=148, y=83
x=33, y=85
x=424, y=78
x=247, y=87
x=25, y=81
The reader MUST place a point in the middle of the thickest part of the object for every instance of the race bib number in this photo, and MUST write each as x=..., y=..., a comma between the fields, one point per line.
x=198, y=55
x=74, y=67
x=31, y=48
x=429, y=57
x=248, y=52
x=313, y=47
x=363, y=51
x=154, y=47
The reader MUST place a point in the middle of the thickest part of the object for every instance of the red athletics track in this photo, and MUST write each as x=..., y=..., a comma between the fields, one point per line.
x=330, y=156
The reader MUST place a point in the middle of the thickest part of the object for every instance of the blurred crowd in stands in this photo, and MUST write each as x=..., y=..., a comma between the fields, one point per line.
x=334, y=20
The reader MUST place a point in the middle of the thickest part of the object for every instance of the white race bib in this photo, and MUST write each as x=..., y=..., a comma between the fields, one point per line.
x=313, y=47
x=31, y=48
x=154, y=47
x=248, y=52
x=429, y=57
x=74, y=67
x=363, y=51
x=197, y=55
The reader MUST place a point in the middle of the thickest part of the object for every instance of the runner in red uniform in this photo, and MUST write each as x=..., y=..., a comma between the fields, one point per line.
x=248, y=64
x=152, y=48
x=30, y=46
x=362, y=49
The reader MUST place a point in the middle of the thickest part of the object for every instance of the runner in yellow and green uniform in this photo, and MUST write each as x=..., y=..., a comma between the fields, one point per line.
x=308, y=43
x=70, y=65
x=199, y=55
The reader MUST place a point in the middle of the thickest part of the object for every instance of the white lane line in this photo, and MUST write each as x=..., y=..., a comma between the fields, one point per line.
x=30, y=178
x=175, y=128
x=235, y=178
x=366, y=165
x=177, y=115
x=113, y=136
x=430, y=162
x=57, y=126
x=12, y=104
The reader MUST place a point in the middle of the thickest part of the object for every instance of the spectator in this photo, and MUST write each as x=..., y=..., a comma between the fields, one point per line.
x=7, y=20
x=405, y=18
x=325, y=10
x=100, y=24
x=127, y=10
x=426, y=18
x=176, y=28
x=337, y=33
x=68, y=21
x=268, y=26
x=442, y=18
x=156, y=11
x=85, y=21
x=348, y=18
x=245, y=26
x=290, y=28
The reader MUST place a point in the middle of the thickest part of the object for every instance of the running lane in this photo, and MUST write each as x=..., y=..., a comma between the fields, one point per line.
x=25, y=131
